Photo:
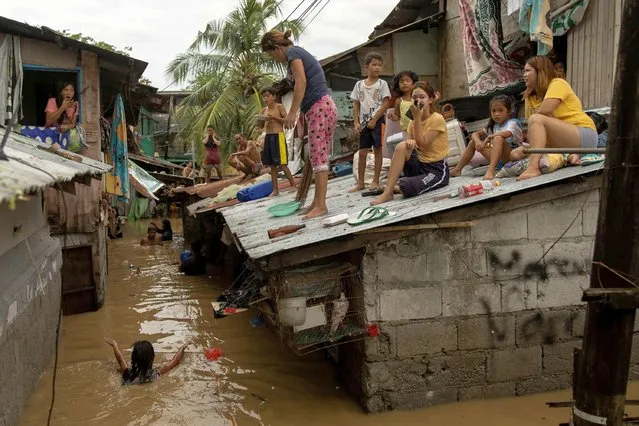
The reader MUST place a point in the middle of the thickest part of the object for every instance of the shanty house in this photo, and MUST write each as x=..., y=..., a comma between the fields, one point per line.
x=34, y=269
x=37, y=60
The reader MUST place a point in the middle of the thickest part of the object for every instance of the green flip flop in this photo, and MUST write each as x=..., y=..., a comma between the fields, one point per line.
x=370, y=214
x=284, y=209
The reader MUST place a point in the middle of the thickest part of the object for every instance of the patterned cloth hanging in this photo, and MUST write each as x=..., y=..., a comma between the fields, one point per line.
x=118, y=151
x=487, y=67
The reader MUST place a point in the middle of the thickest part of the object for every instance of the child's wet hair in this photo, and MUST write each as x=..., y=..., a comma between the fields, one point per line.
x=504, y=99
x=373, y=55
x=141, y=363
x=151, y=228
x=395, y=85
x=270, y=90
x=507, y=101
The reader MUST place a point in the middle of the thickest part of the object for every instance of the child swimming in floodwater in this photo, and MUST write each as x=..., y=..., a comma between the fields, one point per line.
x=152, y=238
x=141, y=369
x=502, y=135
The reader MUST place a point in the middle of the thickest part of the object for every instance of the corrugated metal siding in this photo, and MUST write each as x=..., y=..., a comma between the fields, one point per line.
x=592, y=53
x=26, y=174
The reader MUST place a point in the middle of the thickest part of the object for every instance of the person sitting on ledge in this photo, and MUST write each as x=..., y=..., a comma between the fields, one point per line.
x=556, y=118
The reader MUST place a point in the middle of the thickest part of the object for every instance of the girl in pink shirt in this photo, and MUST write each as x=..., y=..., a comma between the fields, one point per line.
x=63, y=111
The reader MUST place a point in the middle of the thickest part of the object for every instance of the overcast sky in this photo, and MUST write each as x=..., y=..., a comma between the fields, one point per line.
x=157, y=30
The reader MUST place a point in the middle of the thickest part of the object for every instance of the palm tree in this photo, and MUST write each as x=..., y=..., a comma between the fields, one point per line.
x=227, y=69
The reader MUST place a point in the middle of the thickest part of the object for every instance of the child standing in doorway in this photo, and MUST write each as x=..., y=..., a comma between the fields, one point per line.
x=275, y=153
x=502, y=135
x=403, y=85
x=371, y=98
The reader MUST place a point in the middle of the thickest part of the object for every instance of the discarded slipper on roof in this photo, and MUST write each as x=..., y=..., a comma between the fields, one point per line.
x=370, y=214
x=373, y=193
x=284, y=209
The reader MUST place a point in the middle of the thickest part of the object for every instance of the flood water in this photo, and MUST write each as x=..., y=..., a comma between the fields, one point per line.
x=257, y=382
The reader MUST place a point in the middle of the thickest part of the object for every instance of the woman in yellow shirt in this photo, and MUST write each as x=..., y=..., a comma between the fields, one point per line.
x=422, y=157
x=555, y=115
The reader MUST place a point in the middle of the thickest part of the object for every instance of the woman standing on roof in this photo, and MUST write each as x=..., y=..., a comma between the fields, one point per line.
x=311, y=97
x=555, y=115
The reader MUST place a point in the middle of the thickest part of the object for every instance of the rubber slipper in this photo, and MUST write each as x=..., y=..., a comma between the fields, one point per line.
x=589, y=159
x=373, y=192
x=370, y=214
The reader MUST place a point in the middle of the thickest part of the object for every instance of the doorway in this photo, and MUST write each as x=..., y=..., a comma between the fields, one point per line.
x=78, y=284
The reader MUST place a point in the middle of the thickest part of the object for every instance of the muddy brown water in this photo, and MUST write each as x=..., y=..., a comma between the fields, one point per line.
x=257, y=382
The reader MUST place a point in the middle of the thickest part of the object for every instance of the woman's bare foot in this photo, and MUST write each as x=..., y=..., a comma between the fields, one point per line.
x=385, y=197
x=490, y=175
x=374, y=186
x=357, y=188
x=529, y=173
x=456, y=172
x=274, y=194
x=574, y=160
x=307, y=210
x=315, y=212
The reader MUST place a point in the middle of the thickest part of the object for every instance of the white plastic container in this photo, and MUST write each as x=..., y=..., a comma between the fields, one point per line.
x=292, y=311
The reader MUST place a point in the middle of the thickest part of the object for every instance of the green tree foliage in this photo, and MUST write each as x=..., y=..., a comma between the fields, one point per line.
x=226, y=69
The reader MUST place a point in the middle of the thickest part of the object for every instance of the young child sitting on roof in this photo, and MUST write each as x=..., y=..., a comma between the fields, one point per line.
x=422, y=157
x=502, y=135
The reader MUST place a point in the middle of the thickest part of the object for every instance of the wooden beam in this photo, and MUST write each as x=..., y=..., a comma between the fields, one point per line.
x=613, y=298
x=421, y=227
x=605, y=358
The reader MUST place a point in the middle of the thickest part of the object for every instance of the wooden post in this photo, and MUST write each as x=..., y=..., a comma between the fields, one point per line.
x=602, y=377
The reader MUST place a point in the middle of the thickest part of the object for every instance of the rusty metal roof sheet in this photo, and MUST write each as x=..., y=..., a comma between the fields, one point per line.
x=250, y=221
x=31, y=167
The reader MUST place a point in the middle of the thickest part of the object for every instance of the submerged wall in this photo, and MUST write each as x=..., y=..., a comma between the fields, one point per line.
x=472, y=313
x=30, y=287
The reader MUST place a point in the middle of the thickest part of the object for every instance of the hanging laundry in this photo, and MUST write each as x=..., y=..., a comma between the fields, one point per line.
x=117, y=182
x=514, y=6
x=11, y=78
x=533, y=19
x=568, y=16
x=487, y=67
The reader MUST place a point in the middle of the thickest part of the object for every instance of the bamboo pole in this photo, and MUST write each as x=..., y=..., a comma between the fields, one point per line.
x=565, y=150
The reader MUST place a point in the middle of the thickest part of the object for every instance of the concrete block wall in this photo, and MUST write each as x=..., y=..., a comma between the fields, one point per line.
x=478, y=312
x=30, y=289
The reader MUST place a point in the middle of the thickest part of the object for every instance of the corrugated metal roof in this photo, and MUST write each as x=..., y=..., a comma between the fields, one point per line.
x=250, y=221
x=23, y=172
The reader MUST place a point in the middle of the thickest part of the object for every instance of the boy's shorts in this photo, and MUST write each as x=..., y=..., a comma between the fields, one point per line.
x=275, y=152
x=369, y=138
x=211, y=166
x=423, y=177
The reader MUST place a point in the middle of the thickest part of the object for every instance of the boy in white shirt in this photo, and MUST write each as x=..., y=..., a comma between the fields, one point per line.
x=371, y=98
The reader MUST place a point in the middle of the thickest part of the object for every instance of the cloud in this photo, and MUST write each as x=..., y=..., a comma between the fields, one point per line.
x=159, y=30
